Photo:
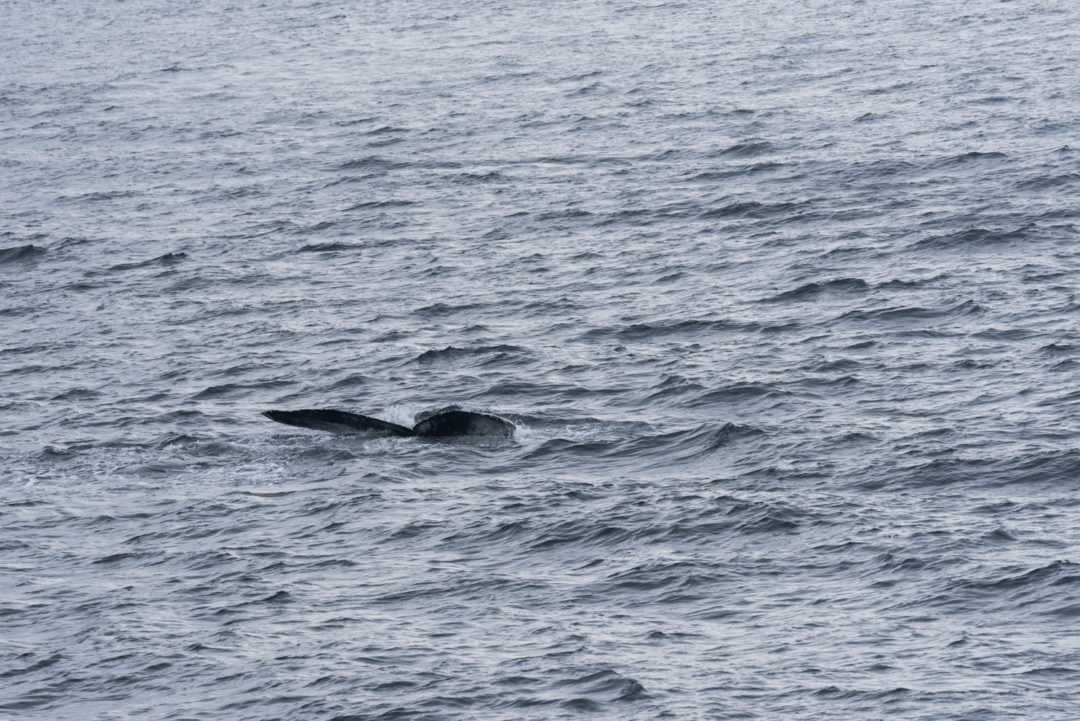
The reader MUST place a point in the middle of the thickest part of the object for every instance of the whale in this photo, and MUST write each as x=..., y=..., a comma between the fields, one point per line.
x=447, y=423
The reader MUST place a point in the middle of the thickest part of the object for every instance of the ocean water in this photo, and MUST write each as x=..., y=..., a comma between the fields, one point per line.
x=781, y=297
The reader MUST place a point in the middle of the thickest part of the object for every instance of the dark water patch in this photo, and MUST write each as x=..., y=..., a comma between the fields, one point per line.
x=968, y=364
x=752, y=209
x=443, y=310
x=81, y=287
x=693, y=444
x=660, y=329
x=605, y=685
x=166, y=260
x=564, y=447
x=467, y=588
x=968, y=158
x=387, y=337
x=811, y=291
x=1067, y=611
x=99, y=196
x=1036, y=589
x=998, y=535
x=664, y=583
x=372, y=164
x=996, y=508
x=486, y=355
x=586, y=255
x=1033, y=468
x=666, y=155
x=1065, y=674
x=878, y=170
x=1004, y=334
x=727, y=173
x=414, y=529
x=20, y=253
x=31, y=369
x=564, y=214
x=1045, y=182
x=326, y=454
x=913, y=313
x=238, y=389
x=491, y=176
x=279, y=597
x=37, y=665
x=735, y=393
x=351, y=381
x=314, y=228
x=1041, y=467
x=644, y=217
x=481, y=535
x=331, y=247
x=746, y=149
x=378, y=204
x=672, y=277
x=760, y=517
x=898, y=284
x=1042, y=276
x=537, y=390
x=17, y=312
x=672, y=386
x=77, y=394
x=577, y=77
x=973, y=239
x=841, y=365
x=353, y=122
x=130, y=558
x=588, y=160
x=831, y=383
x=595, y=88
x=386, y=130
x=580, y=533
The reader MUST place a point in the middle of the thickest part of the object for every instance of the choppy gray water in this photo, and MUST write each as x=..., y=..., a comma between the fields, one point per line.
x=782, y=298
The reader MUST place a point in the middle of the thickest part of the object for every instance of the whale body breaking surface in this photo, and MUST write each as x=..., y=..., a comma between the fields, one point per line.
x=441, y=424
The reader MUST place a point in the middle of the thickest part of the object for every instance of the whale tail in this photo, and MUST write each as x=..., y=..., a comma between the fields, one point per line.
x=328, y=419
x=443, y=424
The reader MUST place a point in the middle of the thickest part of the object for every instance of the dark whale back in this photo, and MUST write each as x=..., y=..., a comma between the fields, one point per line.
x=442, y=424
x=463, y=423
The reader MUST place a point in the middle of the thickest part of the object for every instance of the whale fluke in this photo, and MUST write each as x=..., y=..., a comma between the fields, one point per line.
x=443, y=424
x=328, y=419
